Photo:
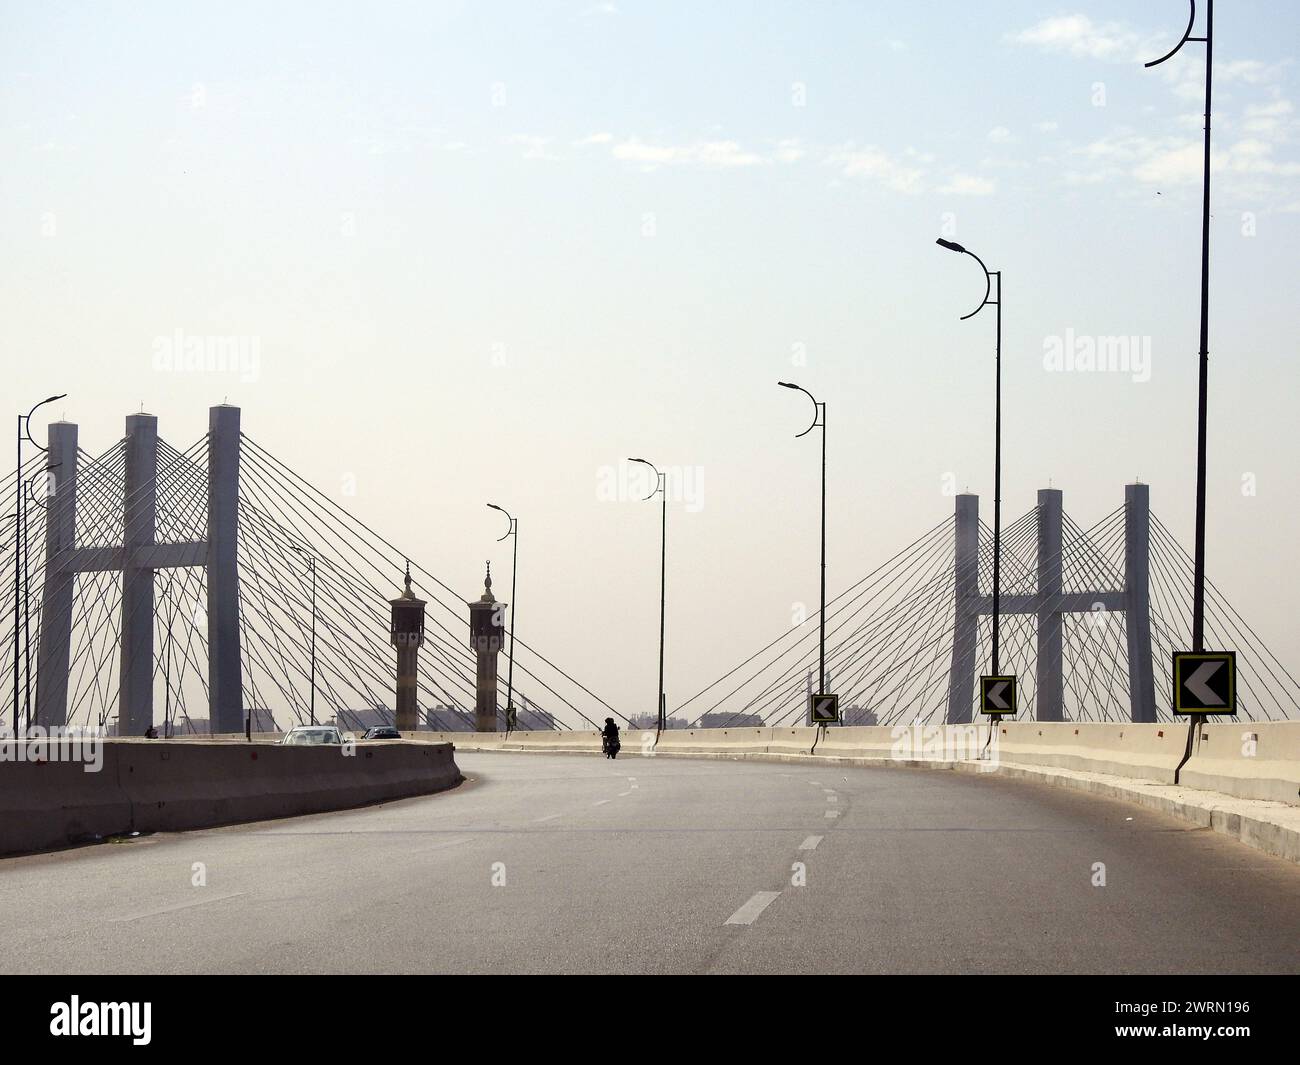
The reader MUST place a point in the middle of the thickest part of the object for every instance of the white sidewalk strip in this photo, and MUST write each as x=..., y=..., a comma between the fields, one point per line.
x=749, y=912
x=810, y=844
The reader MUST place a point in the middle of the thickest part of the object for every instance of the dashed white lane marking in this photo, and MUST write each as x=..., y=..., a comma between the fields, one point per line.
x=810, y=844
x=178, y=906
x=832, y=798
x=622, y=793
x=815, y=783
x=600, y=802
x=548, y=817
x=749, y=912
x=832, y=813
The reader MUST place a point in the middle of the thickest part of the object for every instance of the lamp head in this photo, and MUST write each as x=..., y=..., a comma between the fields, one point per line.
x=787, y=384
x=951, y=245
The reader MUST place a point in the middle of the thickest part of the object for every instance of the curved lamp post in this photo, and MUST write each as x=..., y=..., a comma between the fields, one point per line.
x=513, y=530
x=997, y=430
x=819, y=419
x=24, y=429
x=1198, y=589
x=661, y=489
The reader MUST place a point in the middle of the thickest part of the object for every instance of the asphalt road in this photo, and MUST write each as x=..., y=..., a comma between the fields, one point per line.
x=570, y=863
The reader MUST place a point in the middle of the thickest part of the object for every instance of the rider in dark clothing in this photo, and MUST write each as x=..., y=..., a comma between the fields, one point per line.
x=610, y=737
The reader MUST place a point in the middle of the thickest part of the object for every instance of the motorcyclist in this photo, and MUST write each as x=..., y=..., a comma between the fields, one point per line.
x=609, y=736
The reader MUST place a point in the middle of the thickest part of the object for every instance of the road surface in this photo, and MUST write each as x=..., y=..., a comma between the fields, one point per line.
x=571, y=863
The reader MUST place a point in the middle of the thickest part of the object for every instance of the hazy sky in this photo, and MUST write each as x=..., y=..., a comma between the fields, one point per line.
x=487, y=250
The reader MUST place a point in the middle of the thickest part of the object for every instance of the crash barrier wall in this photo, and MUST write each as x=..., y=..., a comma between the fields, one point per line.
x=170, y=785
x=1253, y=760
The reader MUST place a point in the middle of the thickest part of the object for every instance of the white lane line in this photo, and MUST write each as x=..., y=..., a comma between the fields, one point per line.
x=832, y=798
x=600, y=802
x=749, y=912
x=548, y=817
x=832, y=813
x=178, y=906
x=810, y=844
x=829, y=791
x=815, y=783
x=623, y=793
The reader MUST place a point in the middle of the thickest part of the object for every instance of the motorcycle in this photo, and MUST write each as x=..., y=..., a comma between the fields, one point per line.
x=610, y=746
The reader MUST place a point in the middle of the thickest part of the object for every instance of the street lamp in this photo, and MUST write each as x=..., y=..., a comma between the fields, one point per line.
x=1198, y=589
x=513, y=530
x=819, y=418
x=311, y=565
x=997, y=430
x=661, y=488
x=24, y=429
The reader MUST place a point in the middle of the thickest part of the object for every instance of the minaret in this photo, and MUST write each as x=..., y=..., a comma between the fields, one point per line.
x=486, y=628
x=407, y=636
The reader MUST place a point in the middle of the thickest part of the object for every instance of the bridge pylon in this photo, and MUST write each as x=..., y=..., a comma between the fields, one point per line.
x=138, y=558
x=1050, y=602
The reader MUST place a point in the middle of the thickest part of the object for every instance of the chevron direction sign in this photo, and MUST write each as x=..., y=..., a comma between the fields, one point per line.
x=1205, y=682
x=825, y=708
x=998, y=695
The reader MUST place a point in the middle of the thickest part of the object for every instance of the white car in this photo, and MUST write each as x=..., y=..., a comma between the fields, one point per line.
x=312, y=736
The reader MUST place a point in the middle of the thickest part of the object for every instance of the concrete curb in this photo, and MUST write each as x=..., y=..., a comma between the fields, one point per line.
x=1271, y=827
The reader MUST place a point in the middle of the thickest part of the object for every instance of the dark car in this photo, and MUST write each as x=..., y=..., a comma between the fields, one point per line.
x=381, y=732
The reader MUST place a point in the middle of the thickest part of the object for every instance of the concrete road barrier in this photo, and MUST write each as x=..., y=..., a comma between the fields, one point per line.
x=55, y=803
x=1254, y=761
x=173, y=785
x=1248, y=760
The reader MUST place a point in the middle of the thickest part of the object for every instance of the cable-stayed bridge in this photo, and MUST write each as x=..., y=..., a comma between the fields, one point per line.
x=194, y=587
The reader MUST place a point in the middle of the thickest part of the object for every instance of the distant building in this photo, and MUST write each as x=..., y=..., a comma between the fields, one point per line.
x=724, y=720
x=648, y=721
x=859, y=715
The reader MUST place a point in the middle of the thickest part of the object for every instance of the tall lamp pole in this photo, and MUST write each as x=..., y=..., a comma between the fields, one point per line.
x=513, y=530
x=1198, y=589
x=819, y=419
x=661, y=488
x=24, y=429
x=997, y=431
